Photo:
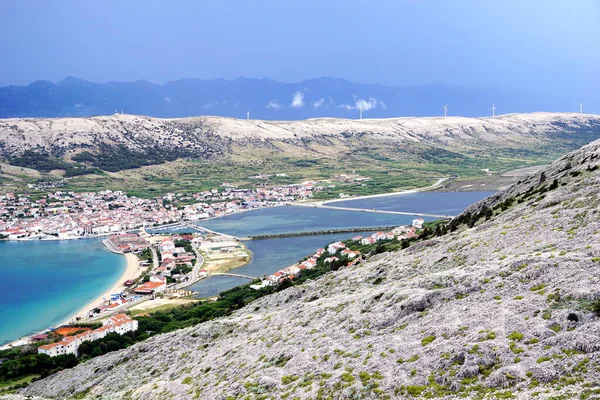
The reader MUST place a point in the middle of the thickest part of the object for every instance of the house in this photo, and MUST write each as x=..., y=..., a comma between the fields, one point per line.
x=368, y=240
x=334, y=247
x=39, y=337
x=150, y=287
x=418, y=223
x=310, y=263
x=350, y=253
x=121, y=324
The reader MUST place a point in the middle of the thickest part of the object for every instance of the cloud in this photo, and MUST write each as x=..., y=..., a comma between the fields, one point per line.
x=318, y=104
x=298, y=100
x=366, y=105
x=274, y=105
x=363, y=104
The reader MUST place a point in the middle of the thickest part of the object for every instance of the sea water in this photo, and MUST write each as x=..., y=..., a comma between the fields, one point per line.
x=42, y=283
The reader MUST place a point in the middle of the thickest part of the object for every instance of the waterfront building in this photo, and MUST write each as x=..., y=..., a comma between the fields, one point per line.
x=119, y=324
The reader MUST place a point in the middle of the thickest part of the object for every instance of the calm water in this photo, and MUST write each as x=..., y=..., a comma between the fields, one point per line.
x=269, y=255
x=274, y=220
x=444, y=203
x=45, y=282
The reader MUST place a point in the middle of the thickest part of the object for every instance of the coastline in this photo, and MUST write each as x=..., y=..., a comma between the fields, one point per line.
x=132, y=270
x=410, y=191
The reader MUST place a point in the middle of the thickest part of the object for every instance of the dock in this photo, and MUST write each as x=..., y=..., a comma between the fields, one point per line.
x=109, y=245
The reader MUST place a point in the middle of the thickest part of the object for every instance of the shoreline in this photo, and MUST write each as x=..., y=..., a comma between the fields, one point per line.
x=132, y=270
x=371, y=196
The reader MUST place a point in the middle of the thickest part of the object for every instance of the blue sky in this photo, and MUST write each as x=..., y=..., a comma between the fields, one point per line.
x=541, y=45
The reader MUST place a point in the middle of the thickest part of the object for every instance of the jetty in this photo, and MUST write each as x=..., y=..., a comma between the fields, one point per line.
x=320, y=232
x=109, y=245
x=234, y=275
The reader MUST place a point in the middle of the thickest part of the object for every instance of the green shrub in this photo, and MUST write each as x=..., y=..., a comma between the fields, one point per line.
x=427, y=340
x=515, y=335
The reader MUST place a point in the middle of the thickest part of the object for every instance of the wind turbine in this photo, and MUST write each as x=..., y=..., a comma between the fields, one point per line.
x=580, y=108
x=494, y=110
x=360, y=111
x=446, y=110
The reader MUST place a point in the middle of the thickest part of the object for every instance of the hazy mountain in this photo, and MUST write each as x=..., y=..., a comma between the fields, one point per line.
x=264, y=98
x=502, y=305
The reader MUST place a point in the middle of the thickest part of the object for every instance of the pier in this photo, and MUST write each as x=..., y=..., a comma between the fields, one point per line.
x=234, y=275
x=320, y=232
x=109, y=245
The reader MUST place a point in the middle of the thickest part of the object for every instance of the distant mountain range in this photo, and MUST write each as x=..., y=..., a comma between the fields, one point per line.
x=264, y=99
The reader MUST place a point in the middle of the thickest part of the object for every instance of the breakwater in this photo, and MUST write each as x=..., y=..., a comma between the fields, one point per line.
x=320, y=232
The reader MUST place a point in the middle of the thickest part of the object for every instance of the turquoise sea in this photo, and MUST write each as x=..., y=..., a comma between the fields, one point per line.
x=42, y=283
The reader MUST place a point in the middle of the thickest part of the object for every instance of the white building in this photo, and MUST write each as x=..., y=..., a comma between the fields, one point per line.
x=418, y=223
x=119, y=324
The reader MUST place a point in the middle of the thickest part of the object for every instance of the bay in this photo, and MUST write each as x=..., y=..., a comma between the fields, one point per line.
x=45, y=282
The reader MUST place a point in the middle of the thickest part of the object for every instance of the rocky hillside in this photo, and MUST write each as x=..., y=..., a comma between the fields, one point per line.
x=203, y=136
x=501, y=306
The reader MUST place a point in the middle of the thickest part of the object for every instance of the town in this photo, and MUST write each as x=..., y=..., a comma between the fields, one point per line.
x=182, y=250
x=70, y=215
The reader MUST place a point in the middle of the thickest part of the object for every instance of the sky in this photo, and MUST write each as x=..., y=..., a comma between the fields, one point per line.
x=539, y=45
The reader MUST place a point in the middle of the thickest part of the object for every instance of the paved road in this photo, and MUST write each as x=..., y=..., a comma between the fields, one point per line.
x=154, y=257
x=195, y=274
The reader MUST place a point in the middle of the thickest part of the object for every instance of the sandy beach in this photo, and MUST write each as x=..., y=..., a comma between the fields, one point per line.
x=132, y=271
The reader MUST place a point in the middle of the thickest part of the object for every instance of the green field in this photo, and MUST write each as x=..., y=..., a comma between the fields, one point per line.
x=389, y=167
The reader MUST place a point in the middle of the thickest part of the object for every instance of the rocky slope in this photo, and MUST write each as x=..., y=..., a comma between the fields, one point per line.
x=501, y=309
x=199, y=136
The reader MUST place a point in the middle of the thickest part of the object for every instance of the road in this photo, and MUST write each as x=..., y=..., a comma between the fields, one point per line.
x=194, y=275
x=154, y=258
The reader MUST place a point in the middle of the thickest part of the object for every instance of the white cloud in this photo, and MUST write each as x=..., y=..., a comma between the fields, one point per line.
x=366, y=105
x=274, y=105
x=363, y=104
x=298, y=100
x=318, y=104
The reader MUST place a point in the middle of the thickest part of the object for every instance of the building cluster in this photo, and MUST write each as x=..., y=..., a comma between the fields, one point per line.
x=68, y=215
x=119, y=324
x=172, y=256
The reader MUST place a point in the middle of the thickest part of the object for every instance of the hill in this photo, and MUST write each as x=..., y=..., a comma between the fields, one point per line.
x=263, y=98
x=502, y=304
x=201, y=152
